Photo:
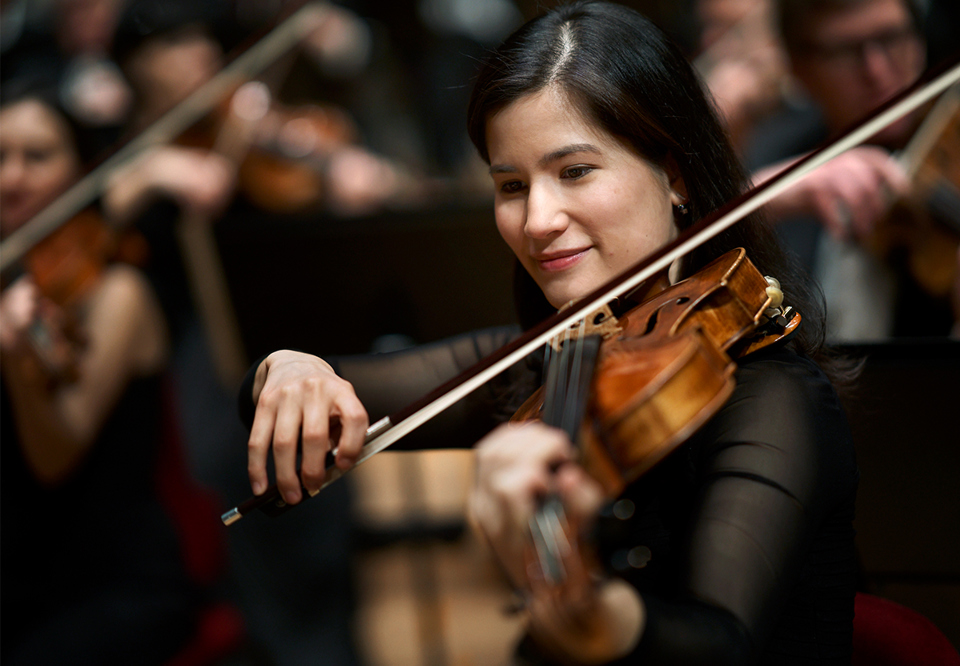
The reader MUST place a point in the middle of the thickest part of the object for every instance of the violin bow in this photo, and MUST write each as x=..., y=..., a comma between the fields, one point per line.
x=390, y=429
x=291, y=31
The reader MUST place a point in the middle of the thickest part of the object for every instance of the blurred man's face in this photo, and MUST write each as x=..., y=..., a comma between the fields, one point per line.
x=86, y=26
x=165, y=69
x=858, y=57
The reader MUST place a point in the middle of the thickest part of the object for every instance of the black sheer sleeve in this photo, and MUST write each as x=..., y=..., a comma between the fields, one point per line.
x=762, y=543
x=385, y=383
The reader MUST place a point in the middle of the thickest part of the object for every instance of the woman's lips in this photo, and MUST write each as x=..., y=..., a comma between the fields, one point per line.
x=559, y=261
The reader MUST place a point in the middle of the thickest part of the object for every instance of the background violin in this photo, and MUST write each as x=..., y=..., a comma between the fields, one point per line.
x=924, y=228
x=279, y=151
x=66, y=267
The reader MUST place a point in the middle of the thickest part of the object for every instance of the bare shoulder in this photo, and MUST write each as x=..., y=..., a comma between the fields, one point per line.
x=125, y=309
x=124, y=284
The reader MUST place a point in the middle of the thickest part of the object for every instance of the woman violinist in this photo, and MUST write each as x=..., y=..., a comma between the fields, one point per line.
x=602, y=147
x=91, y=565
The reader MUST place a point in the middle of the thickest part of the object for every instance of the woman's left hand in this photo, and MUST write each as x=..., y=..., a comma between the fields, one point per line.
x=584, y=617
x=19, y=307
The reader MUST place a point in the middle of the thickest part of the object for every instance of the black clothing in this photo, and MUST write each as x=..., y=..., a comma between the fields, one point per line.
x=747, y=527
x=92, y=569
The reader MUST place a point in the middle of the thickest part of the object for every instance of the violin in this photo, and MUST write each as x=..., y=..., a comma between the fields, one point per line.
x=924, y=228
x=630, y=390
x=279, y=151
x=68, y=263
x=66, y=267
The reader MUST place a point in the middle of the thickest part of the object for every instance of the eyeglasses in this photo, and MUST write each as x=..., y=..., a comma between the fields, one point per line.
x=899, y=46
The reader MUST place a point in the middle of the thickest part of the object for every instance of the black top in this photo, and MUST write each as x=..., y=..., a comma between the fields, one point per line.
x=92, y=568
x=746, y=530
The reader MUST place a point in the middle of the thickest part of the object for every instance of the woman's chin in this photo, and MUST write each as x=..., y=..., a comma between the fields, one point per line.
x=560, y=295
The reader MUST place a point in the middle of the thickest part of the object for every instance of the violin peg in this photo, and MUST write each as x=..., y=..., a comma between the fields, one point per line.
x=774, y=292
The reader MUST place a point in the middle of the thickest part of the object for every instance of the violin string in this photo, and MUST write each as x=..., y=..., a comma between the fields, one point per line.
x=571, y=408
x=551, y=361
x=563, y=384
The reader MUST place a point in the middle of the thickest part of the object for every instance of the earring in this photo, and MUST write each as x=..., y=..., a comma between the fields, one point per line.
x=682, y=209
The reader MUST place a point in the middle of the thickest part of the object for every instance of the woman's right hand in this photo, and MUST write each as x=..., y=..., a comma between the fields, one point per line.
x=299, y=397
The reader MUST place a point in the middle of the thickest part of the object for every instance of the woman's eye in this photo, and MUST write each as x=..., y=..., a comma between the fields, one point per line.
x=511, y=186
x=576, y=172
x=38, y=155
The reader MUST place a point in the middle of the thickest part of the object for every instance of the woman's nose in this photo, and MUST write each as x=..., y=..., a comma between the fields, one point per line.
x=11, y=172
x=545, y=213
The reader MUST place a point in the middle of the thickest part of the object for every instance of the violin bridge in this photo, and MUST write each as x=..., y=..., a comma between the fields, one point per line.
x=600, y=322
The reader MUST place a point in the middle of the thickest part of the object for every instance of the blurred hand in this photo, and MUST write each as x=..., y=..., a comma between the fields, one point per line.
x=849, y=195
x=360, y=182
x=340, y=42
x=19, y=308
x=39, y=334
x=201, y=181
x=584, y=617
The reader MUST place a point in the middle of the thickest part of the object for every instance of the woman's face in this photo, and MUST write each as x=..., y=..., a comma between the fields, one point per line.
x=37, y=161
x=576, y=205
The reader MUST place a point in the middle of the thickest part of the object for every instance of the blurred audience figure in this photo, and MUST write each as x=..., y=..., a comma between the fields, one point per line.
x=70, y=40
x=92, y=565
x=850, y=56
x=742, y=61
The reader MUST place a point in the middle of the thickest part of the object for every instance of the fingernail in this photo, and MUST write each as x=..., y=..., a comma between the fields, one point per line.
x=291, y=497
x=257, y=488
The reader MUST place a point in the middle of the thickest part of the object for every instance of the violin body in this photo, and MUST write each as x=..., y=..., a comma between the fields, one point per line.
x=281, y=159
x=922, y=230
x=67, y=264
x=66, y=267
x=285, y=172
x=670, y=367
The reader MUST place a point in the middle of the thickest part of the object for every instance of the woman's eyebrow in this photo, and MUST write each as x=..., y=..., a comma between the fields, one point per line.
x=567, y=150
x=553, y=156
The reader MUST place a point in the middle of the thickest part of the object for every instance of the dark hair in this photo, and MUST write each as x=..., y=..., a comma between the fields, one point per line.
x=625, y=75
x=143, y=20
x=793, y=18
x=44, y=89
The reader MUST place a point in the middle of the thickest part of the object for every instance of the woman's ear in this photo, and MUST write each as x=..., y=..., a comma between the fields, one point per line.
x=678, y=188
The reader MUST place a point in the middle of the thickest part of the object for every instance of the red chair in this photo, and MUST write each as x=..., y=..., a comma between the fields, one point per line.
x=888, y=634
x=195, y=515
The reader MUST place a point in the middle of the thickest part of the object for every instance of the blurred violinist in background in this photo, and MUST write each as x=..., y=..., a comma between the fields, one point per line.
x=301, y=161
x=743, y=63
x=71, y=39
x=289, y=161
x=91, y=563
x=879, y=226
